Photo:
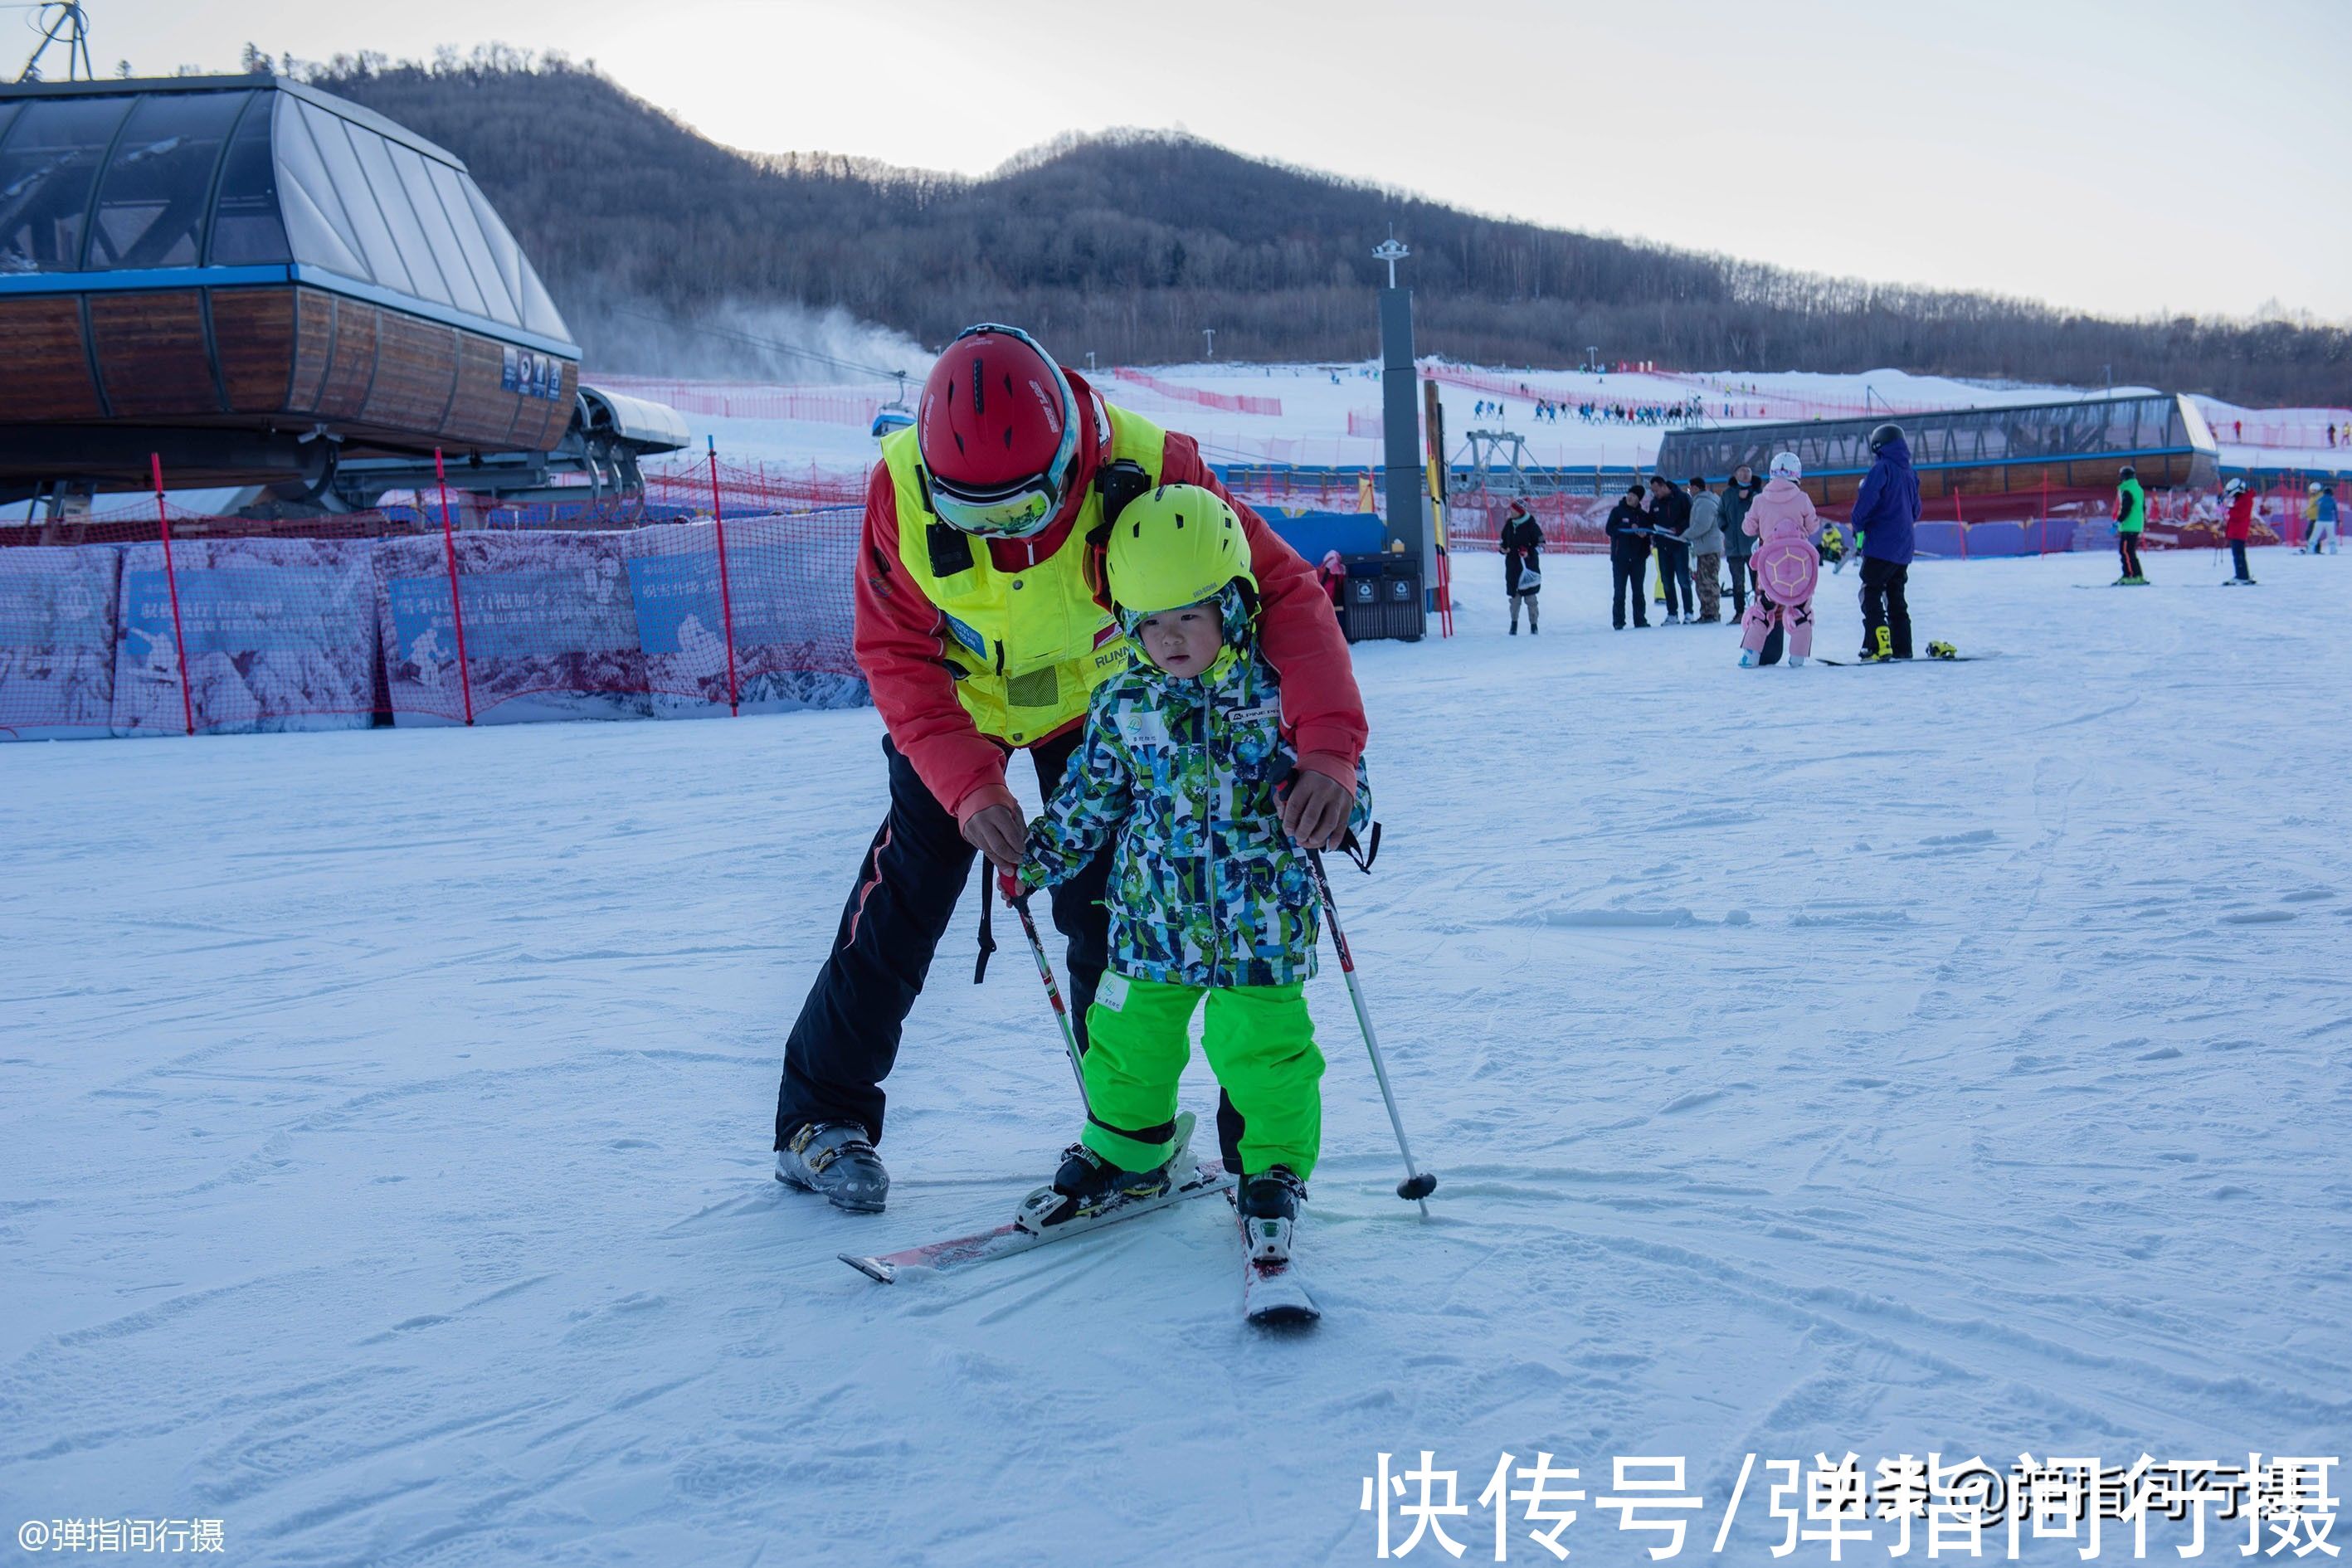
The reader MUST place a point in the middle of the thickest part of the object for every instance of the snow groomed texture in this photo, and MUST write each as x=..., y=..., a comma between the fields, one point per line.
x=1808, y=1072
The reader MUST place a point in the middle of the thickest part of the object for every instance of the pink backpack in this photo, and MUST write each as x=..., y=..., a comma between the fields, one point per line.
x=1789, y=569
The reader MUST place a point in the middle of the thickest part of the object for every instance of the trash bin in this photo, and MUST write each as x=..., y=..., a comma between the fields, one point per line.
x=1383, y=598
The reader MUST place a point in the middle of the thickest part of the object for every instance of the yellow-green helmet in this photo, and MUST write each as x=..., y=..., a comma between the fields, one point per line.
x=1179, y=545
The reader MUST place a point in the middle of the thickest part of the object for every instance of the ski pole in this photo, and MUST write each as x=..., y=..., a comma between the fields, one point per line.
x=1053, y=993
x=1418, y=1184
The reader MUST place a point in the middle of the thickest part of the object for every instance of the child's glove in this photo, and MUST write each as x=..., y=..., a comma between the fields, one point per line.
x=1010, y=888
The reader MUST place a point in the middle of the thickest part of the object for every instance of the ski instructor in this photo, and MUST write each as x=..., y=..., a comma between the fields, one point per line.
x=983, y=628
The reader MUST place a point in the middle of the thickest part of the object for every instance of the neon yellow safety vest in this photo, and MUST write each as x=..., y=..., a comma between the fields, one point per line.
x=1028, y=647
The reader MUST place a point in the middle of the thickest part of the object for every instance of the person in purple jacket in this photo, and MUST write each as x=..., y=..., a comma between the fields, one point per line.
x=1884, y=512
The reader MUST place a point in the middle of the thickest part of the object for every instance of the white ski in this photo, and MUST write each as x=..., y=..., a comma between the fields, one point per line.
x=963, y=1251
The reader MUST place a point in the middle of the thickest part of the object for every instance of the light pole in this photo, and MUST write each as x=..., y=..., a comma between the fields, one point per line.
x=1211, y=335
x=1404, y=472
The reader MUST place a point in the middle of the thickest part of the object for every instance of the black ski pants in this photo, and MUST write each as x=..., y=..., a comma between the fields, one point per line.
x=1883, y=604
x=1625, y=575
x=2127, y=551
x=846, y=1038
x=1739, y=565
x=2238, y=560
x=1675, y=578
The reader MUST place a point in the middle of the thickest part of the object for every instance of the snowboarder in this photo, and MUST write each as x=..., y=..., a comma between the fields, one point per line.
x=1738, y=544
x=1180, y=774
x=2131, y=518
x=1628, y=557
x=1885, y=510
x=1706, y=547
x=1522, y=543
x=2322, y=520
x=1788, y=567
x=982, y=629
x=2239, y=528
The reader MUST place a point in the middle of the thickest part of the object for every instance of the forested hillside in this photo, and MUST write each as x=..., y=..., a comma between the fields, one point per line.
x=1128, y=244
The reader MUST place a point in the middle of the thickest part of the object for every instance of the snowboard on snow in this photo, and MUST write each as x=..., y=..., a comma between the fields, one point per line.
x=1004, y=1240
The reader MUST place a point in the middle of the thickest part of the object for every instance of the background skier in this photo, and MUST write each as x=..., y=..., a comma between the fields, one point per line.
x=1669, y=519
x=1522, y=543
x=1884, y=510
x=1706, y=547
x=1738, y=544
x=982, y=629
x=1629, y=555
x=2131, y=519
x=2240, y=527
x=1788, y=568
x=2322, y=520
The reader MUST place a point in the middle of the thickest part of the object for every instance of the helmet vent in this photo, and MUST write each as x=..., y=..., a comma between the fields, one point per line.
x=978, y=387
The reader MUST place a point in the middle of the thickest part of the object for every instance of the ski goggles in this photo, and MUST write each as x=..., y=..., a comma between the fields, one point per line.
x=1007, y=511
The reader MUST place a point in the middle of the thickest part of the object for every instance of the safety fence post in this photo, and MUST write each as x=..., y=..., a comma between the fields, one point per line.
x=1962, y=521
x=726, y=596
x=172, y=580
x=457, y=609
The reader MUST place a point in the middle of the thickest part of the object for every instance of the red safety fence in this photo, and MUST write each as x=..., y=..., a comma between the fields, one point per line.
x=1232, y=403
x=182, y=625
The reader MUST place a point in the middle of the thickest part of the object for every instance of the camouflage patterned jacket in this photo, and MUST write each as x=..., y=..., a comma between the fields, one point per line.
x=1205, y=887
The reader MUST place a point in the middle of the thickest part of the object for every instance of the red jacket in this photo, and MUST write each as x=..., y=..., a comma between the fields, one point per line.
x=899, y=636
x=2241, y=516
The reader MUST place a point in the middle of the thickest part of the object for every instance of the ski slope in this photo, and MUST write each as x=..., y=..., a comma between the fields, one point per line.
x=1922, y=1058
x=1329, y=414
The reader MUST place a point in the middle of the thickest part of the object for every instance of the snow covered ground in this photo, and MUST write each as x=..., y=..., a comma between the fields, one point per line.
x=1936, y=1057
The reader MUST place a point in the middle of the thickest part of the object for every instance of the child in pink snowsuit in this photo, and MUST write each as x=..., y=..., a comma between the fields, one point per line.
x=1787, y=565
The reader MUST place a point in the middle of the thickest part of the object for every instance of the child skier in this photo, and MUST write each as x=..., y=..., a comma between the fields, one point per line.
x=1182, y=764
x=1788, y=568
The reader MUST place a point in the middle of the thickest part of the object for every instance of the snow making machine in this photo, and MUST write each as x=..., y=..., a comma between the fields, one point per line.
x=265, y=285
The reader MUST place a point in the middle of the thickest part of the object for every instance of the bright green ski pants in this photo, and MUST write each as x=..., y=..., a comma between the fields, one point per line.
x=1260, y=1043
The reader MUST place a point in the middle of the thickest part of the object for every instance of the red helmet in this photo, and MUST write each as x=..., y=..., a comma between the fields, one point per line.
x=997, y=430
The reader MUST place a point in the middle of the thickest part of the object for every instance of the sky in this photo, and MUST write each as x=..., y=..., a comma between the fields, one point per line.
x=2158, y=157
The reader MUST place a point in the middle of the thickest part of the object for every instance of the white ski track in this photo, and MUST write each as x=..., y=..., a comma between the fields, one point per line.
x=1004, y=1240
x=1273, y=1294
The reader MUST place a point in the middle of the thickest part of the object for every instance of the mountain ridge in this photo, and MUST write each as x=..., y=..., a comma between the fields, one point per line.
x=1127, y=244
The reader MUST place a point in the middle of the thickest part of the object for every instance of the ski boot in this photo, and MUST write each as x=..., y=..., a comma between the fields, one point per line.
x=1085, y=1185
x=1796, y=662
x=1268, y=1205
x=835, y=1159
x=1747, y=658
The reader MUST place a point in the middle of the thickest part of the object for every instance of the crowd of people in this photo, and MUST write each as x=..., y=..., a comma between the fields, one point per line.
x=1764, y=532
x=1548, y=412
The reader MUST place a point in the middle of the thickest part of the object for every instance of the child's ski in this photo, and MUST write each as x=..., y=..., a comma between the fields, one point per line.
x=1272, y=1295
x=962, y=1251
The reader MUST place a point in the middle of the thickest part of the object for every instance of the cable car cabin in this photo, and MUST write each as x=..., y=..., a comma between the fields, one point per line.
x=1968, y=452
x=254, y=280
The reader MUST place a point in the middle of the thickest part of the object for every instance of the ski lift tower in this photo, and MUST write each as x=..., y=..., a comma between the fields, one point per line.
x=1407, y=518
